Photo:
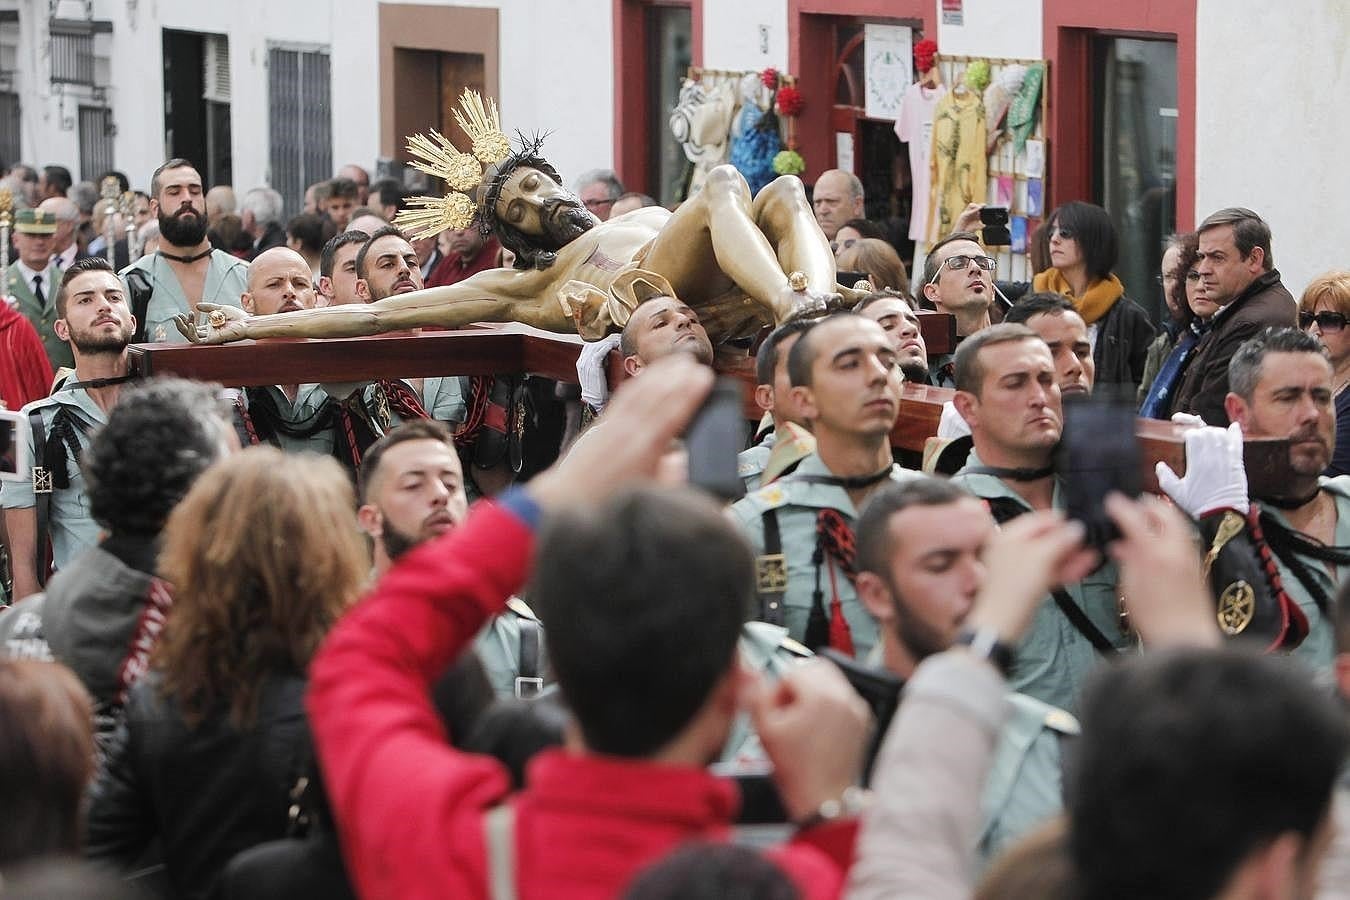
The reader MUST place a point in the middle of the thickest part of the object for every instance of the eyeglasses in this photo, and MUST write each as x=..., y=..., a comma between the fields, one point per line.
x=1064, y=234
x=599, y=204
x=1163, y=279
x=961, y=261
x=1326, y=321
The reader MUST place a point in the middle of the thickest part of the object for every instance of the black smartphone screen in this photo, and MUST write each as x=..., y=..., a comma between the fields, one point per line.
x=1098, y=453
x=714, y=439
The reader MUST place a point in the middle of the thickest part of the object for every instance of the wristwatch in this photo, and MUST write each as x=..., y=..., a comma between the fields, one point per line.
x=850, y=804
x=985, y=644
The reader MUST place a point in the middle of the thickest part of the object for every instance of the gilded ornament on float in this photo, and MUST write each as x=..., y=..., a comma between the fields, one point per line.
x=463, y=172
x=1237, y=607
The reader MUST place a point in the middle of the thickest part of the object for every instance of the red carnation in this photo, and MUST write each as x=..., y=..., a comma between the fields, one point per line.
x=790, y=101
x=924, y=51
x=770, y=77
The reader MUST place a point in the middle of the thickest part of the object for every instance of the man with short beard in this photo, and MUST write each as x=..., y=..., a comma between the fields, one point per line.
x=185, y=270
x=1281, y=386
x=94, y=318
x=412, y=490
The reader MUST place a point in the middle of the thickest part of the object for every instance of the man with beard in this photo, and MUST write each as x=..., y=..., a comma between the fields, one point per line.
x=846, y=384
x=742, y=262
x=412, y=490
x=1008, y=394
x=920, y=550
x=958, y=278
x=94, y=318
x=386, y=266
x=1281, y=386
x=185, y=271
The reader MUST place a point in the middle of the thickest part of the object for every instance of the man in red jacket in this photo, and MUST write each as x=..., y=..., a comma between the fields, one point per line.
x=642, y=594
x=25, y=373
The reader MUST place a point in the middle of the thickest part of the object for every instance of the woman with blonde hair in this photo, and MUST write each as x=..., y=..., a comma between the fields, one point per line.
x=264, y=556
x=878, y=262
x=1323, y=311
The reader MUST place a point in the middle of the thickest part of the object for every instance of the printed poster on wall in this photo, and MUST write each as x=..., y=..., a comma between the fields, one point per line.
x=888, y=68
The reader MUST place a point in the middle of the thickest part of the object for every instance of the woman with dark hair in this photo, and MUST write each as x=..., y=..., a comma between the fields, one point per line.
x=1194, y=310
x=1083, y=252
x=264, y=555
x=879, y=264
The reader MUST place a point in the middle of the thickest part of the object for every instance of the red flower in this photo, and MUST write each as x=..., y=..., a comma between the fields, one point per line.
x=924, y=51
x=790, y=101
x=769, y=77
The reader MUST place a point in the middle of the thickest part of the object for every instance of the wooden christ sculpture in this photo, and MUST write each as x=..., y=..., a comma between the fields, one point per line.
x=742, y=262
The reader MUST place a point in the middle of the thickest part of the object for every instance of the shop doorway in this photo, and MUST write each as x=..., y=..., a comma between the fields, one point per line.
x=197, y=102
x=1135, y=155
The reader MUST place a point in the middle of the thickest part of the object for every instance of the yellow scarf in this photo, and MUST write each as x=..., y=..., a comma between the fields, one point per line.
x=1096, y=301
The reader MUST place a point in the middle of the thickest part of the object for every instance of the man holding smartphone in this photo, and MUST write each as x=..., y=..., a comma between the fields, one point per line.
x=846, y=383
x=1009, y=395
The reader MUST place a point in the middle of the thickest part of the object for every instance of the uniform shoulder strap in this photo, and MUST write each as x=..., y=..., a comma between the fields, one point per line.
x=42, y=494
x=499, y=831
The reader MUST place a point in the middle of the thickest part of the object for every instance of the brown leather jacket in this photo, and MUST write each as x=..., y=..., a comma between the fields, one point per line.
x=1266, y=302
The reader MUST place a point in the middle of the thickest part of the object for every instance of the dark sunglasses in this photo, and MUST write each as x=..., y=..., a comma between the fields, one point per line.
x=1326, y=321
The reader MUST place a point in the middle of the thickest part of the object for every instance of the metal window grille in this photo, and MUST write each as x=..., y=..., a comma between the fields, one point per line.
x=96, y=141
x=300, y=117
x=72, y=58
x=9, y=127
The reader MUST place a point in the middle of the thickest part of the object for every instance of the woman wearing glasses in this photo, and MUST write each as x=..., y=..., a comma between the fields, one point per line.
x=1192, y=310
x=1322, y=312
x=1083, y=251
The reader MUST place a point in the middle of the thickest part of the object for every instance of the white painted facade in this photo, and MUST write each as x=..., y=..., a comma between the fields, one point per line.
x=546, y=84
x=1268, y=135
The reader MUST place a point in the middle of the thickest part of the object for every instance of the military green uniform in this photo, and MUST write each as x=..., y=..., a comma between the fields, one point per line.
x=226, y=281
x=765, y=650
x=442, y=397
x=498, y=647
x=308, y=405
x=1054, y=657
x=1024, y=788
x=1318, y=649
x=71, y=527
x=795, y=504
x=750, y=463
x=42, y=315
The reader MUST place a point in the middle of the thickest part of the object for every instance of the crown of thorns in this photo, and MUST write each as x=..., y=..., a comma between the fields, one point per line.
x=482, y=172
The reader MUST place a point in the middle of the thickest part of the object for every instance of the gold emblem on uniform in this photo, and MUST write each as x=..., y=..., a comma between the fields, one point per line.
x=771, y=573
x=1237, y=607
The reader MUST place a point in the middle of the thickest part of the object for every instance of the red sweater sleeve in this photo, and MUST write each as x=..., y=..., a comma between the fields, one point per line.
x=407, y=804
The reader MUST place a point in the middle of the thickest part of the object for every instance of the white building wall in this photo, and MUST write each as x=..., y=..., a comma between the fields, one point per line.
x=556, y=75
x=1272, y=137
x=1010, y=29
x=745, y=34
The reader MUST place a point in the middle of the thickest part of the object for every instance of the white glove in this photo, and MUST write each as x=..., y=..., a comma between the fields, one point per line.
x=591, y=371
x=1215, y=477
x=1187, y=420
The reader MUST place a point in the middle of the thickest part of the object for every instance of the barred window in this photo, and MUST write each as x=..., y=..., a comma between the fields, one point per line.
x=300, y=118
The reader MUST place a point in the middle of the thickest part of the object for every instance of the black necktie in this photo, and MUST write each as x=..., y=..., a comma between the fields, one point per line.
x=37, y=290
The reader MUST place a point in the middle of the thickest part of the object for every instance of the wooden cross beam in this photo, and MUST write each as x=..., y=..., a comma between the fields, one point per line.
x=518, y=349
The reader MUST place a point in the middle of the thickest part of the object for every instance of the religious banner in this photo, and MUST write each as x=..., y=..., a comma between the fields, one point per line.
x=888, y=68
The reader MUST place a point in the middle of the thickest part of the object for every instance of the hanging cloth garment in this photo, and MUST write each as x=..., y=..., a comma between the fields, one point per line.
x=1096, y=300
x=755, y=145
x=914, y=126
x=959, y=167
x=1022, y=113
